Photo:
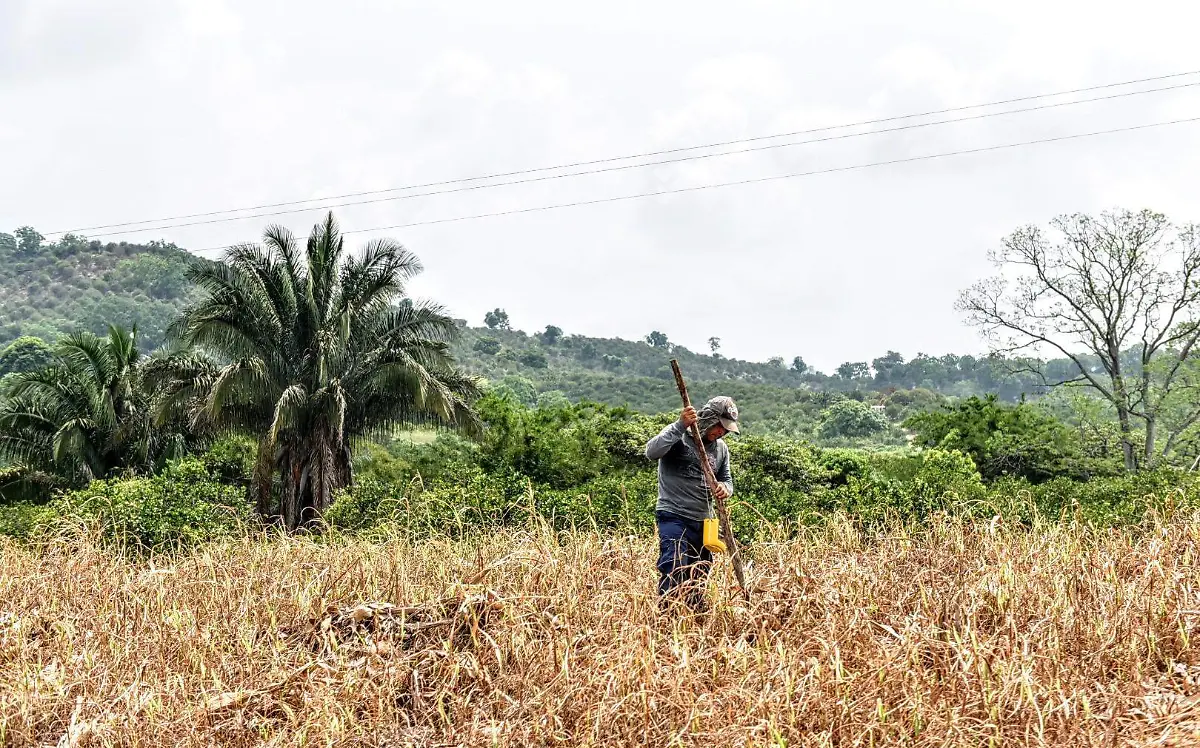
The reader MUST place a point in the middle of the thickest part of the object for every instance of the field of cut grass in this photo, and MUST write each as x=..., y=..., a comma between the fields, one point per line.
x=960, y=634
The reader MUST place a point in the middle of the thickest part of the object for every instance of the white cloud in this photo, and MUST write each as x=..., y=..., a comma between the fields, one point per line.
x=150, y=109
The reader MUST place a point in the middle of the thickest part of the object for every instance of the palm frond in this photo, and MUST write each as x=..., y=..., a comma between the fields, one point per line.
x=287, y=410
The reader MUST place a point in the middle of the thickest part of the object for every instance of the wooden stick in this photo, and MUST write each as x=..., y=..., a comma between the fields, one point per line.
x=722, y=512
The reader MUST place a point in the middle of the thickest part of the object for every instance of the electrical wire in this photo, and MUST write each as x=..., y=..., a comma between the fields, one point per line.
x=624, y=167
x=757, y=180
x=466, y=180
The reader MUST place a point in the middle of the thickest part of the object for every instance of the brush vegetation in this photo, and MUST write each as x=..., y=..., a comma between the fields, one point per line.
x=958, y=633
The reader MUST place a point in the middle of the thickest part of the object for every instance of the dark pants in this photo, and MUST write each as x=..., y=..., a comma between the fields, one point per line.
x=683, y=561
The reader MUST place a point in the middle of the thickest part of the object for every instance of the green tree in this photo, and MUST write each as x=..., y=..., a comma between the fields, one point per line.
x=657, y=339
x=318, y=349
x=850, y=418
x=775, y=361
x=551, y=335
x=487, y=346
x=714, y=345
x=889, y=367
x=1017, y=440
x=553, y=399
x=1090, y=416
x=1097, y=288
x=587, y=351
x=798, y=365
x=517, y=387
x=24, y=354
x=534, y=359
x=852, y=370
x=86, y=415
x=157, y=276
x=497, y=319
x=29, y=241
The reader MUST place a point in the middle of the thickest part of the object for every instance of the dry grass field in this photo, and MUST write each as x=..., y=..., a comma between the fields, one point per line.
x=961, y=634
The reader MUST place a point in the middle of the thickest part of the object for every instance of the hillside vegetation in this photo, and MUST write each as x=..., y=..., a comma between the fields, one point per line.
x=52, y=288
x=554, y=358
x=48, y=289
x=55, y=287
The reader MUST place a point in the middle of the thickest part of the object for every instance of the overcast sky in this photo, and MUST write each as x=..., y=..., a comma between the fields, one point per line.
x=125, y=110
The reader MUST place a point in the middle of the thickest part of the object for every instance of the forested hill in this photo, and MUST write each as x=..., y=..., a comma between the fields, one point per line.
x=51, y=288
x=776, y=397
x=579, y=365
x=48, y=288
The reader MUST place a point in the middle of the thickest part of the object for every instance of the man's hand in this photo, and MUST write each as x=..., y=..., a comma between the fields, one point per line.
x=720, y=493
x=688, y=416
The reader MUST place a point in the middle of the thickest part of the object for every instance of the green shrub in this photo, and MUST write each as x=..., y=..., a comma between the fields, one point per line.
x=1106, y=501
x=556, y=447
x=176, y=509
x=487, y=346
x=474, y=498
x=624, y=436
x=1003, y=440
x=477, y=499
x=620, y=500
x=369, y=503
x=519, y=389
x=231, y=459
x=850, y=418
x=447, y=455
x=945, y=480
x=947, y=477
x=844, y=464
x=896, y=464
x=534, y=359
x=23, y=520
x=552, y=400
x=774, y=480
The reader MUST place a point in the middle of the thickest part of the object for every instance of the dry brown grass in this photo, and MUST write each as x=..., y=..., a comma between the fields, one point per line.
x=959, y=635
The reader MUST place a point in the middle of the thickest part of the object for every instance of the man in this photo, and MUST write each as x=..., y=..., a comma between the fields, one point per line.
x=683, y=500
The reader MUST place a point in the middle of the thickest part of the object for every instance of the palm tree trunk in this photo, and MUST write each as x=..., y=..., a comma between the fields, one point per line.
x=292, y=491
x=263, y=472
x=304, y=496
x=328, y=480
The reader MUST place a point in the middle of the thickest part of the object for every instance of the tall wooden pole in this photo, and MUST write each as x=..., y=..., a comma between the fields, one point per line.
x=735, y=554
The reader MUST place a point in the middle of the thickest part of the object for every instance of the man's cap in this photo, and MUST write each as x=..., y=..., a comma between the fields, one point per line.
x=720, y=409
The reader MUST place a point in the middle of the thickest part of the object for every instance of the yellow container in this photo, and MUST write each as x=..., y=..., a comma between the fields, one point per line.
x=712, y=536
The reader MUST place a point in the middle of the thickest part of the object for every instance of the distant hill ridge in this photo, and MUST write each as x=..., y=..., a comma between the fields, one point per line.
x=51, y=288
x=48, y=288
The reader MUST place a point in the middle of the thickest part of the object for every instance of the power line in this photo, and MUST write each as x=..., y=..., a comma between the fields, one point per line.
x=623, y=167
x=632, y=156
x=757, y=180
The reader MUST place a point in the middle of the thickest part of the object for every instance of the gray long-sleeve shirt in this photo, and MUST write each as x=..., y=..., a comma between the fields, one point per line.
x=681, y=487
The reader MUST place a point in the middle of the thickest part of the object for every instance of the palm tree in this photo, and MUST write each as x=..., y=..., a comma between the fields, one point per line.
x=86, y=415
x=313, y=349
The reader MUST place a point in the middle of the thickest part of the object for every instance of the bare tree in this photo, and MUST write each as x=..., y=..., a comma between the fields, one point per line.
x=1122, y=288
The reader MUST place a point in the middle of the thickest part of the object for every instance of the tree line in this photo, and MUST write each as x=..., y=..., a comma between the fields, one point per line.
x=306, y=347
x=312, y=351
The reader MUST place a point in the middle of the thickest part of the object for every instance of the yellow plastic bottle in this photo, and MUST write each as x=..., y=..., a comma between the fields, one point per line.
x=712, y=536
